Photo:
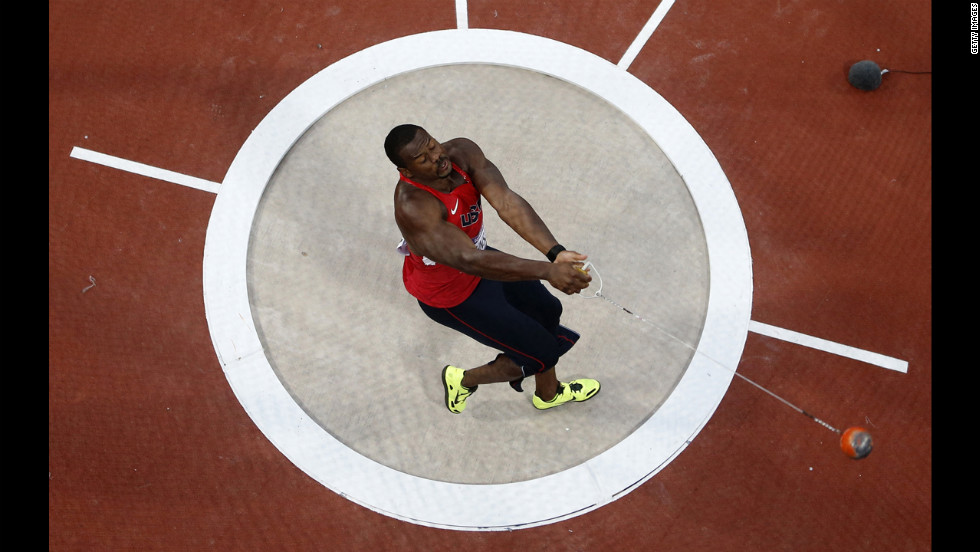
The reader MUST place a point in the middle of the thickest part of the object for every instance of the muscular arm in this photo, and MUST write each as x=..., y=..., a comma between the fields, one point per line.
x=513, y=209
x=422, y=221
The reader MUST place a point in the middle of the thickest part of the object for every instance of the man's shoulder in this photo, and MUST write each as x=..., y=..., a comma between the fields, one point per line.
x=463, y=151
x=460, y=142
x=407, y=193
x=413, y=200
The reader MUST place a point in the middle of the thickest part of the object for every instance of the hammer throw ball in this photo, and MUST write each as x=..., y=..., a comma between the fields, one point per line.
x=865, y=75
x=856, y=442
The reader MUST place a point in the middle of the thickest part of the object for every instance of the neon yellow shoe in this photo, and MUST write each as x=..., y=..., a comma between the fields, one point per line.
x=576, y=390
x=456, y=394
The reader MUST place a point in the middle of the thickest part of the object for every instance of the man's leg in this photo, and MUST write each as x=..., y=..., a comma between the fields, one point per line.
x=504, y=369
x=528, y=346
x=499, y=370
x=546, y=384
x=548, y=393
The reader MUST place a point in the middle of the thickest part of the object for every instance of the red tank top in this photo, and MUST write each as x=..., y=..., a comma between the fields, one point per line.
x=439, y=285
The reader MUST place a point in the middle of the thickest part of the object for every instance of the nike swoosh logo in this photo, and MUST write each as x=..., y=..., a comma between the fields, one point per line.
x=456, y=207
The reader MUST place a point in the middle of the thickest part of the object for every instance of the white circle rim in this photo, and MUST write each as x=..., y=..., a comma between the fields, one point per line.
x=582, y=488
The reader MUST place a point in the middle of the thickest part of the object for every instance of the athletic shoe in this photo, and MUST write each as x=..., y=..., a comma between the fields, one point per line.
x=456, y=394
x=576, y=390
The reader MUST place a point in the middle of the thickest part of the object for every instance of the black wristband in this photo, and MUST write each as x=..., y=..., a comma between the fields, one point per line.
x=554, y=251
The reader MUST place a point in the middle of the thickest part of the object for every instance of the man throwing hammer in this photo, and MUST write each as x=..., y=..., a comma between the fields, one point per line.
x=493, y=297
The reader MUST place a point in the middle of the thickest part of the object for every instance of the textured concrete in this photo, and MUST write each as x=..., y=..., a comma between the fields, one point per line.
x=358, y=355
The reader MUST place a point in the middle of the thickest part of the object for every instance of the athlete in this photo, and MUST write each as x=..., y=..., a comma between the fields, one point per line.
x=493, y=297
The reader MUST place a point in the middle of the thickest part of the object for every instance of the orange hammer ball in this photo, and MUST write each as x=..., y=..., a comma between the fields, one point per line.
x=856, y=442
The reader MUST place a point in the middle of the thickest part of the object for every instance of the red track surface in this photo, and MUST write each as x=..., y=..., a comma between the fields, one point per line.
x=149, y=448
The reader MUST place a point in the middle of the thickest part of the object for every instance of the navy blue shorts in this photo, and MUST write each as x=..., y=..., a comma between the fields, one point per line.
x=519, y=319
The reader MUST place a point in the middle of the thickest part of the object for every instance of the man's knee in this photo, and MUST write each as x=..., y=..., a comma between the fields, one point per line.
x=536, y=365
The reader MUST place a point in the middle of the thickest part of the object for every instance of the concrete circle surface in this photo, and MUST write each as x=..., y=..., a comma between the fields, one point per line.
x=355, y=351
x=291, y=338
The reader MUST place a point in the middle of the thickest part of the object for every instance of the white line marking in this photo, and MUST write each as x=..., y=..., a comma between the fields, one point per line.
x=462, y=16
x=645, y=34
x=488, y=507
x=829, y=346
x=145, y=170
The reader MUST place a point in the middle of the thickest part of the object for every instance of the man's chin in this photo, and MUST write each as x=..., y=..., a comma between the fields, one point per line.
x=447, y=171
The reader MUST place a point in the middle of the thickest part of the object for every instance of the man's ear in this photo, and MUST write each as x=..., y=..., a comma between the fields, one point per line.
x=405, y=172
